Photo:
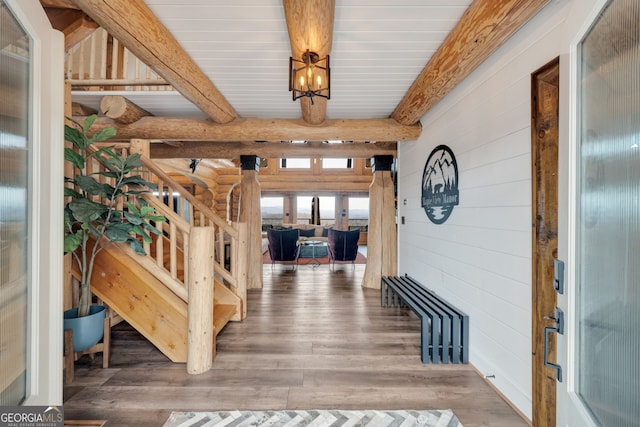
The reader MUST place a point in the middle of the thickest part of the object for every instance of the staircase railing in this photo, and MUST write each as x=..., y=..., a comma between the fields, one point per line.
x=100, y=61
x=180, y=206
x=168, y=256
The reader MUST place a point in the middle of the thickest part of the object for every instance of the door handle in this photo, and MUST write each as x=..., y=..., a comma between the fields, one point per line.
x=558, y=327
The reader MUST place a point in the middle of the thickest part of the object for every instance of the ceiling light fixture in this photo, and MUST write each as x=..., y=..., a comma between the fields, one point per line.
x=309, y=76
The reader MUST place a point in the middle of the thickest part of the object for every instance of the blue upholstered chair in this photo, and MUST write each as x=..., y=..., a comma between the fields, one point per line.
x=343, y=245
x=284, y=246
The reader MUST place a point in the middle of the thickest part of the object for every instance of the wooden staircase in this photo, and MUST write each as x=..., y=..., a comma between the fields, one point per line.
x=152, y=292
x=148, y=305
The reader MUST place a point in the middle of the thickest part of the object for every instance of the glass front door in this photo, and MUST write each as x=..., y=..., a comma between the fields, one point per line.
x=605, y=380
x=14, y=210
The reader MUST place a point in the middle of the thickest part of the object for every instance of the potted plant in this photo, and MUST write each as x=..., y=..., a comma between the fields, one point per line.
x=98, y=214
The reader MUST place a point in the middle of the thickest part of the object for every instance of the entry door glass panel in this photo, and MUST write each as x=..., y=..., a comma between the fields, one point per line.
x=14, y=209
x=608, y=250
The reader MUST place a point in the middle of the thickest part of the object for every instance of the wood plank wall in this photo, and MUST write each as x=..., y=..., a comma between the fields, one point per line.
x=480, y=258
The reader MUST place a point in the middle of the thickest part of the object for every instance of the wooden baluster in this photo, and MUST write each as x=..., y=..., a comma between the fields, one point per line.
x=170, y=198
x=191, y=213
x=136, y=69
x=92, y=56
x=186, y=251
x=160, y=245
x=221, y=257
x=125, y=64
x=160, y=185
x=81, y=75
x=173, y=267
x=114, y=58
x=103, y=54
x=73, y=54
x=180, y=206
x=95, y=166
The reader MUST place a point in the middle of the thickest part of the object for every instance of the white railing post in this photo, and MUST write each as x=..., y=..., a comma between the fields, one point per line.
x=201, y=336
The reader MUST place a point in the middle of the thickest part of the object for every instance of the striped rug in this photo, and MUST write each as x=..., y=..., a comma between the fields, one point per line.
x=319, y=418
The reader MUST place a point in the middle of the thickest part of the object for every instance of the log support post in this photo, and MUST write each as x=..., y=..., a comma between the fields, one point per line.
x=250, y=214
x=342, y=211
x=290, y=209
x=382, y=253
x=201, y=336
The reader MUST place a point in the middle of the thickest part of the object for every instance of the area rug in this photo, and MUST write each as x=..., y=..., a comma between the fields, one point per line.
x=315, y=418
x=360, y=259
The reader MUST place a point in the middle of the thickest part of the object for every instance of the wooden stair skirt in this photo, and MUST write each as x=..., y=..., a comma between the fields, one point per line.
x=150, y=307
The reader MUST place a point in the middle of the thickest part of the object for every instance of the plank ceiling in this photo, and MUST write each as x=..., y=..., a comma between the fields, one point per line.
x=379, y=48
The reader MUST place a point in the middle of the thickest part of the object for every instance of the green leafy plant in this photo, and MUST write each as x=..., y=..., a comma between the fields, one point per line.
x=92, y=218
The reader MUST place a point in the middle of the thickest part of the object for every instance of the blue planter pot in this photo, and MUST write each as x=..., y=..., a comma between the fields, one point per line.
x=87, y=330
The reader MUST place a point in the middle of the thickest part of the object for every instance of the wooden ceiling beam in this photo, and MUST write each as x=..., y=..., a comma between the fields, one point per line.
x=269, y=150
x=310, y=26
x=139, y=30
x=62, y=4
x=484, y=26
x=122, y=110
x=253, y=129
x=73, y=23
x=78, y=109
x=277, y=184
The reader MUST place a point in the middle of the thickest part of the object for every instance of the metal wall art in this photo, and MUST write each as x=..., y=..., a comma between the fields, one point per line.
x=440, y=184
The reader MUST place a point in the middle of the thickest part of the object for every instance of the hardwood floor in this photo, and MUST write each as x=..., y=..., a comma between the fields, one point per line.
x=313, y=339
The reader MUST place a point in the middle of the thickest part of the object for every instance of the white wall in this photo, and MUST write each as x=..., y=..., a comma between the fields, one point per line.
x=480, y=258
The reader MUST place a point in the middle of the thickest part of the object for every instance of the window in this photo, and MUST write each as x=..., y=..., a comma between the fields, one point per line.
x=303, y=213
x=271, y=209
x=358, y=212
x=327, y=210
x=316, y=210
x=337, y=163
x=295, y=163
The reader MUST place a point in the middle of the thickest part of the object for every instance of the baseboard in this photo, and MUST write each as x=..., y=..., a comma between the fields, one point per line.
x=502, y=396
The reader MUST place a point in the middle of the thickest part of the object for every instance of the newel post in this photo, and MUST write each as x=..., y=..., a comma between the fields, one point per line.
x=201, y=336
x=382, y=252
x=141, y=146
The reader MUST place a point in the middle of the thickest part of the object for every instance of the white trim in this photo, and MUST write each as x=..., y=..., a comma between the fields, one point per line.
x=577, y=412
x=46, y=109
